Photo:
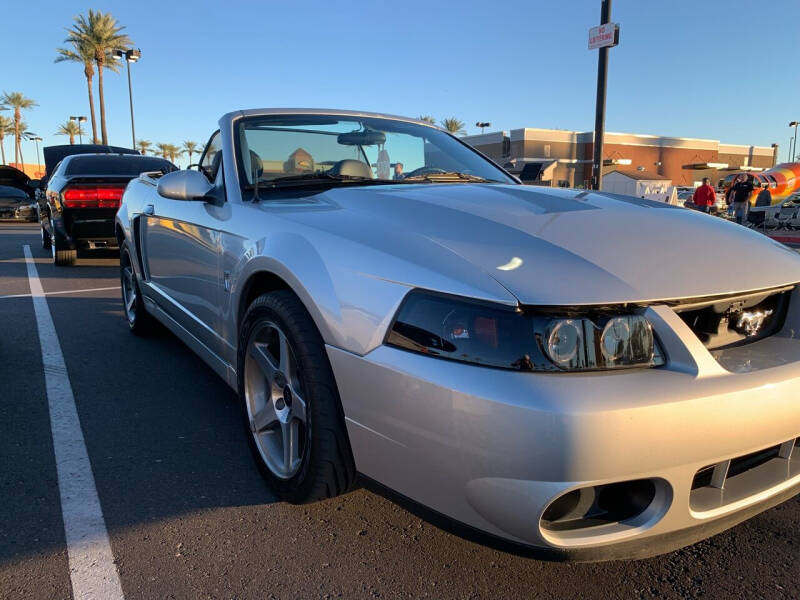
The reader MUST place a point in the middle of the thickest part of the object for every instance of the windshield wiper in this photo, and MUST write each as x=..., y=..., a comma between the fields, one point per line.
x=310, y=179
x=446, y=176
x=319, y=176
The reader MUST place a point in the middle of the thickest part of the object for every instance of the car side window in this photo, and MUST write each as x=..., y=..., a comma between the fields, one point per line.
x=212, y=157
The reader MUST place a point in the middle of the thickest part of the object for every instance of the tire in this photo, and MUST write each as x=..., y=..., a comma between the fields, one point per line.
x=305, y=400
x=140, y=322
x=45, y=239
x=62, y=254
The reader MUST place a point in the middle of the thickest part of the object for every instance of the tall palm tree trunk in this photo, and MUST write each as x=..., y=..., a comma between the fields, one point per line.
x=21, y=159
x=102, y=103
x=71, y=139
x=17, y=149
x=91, y=105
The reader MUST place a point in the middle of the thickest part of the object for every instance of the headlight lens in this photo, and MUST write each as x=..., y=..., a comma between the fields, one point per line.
x=498, y=336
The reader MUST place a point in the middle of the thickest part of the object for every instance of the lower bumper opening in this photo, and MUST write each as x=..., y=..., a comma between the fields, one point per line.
x=599, y=505
x=738, y=478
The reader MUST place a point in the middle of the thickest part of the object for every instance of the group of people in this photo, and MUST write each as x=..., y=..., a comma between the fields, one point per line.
x=737, y=196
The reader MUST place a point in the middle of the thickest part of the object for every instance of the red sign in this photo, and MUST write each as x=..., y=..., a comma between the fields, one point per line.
x=603, y=35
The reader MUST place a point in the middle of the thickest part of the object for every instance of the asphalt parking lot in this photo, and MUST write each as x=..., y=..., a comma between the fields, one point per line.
x=188, y=515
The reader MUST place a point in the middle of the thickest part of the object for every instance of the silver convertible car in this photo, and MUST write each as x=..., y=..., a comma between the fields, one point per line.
x=561, y=369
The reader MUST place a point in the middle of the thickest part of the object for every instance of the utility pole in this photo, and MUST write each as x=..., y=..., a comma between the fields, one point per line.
x=603, y=37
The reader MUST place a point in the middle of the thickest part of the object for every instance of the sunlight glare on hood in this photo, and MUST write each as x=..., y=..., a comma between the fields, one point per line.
x=514, y=263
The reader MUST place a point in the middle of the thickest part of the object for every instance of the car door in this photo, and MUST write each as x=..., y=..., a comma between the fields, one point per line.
x=182, y=249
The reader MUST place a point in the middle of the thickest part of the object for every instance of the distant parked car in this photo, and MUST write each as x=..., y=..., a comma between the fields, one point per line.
x=782, y=215
x=16, y=204
x=82, y=197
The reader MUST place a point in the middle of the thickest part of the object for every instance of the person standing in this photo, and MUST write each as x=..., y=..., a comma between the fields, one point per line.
x=740, y=194
x=398, y=171
x=704, y=196
x=764, y=196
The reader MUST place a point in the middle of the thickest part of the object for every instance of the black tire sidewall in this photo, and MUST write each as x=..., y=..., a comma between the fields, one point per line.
x=287, y=489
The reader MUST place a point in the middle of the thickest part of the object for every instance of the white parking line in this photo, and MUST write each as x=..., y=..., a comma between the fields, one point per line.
x=100, y=289
x=91, y=563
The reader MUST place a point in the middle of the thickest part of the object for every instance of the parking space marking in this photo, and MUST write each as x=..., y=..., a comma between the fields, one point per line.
x=83, y=291
x=91, y=562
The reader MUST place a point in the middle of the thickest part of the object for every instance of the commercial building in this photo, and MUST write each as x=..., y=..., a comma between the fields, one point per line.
x=564, y=158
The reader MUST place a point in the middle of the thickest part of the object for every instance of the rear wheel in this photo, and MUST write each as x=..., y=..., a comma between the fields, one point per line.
x=139, y=321
x=63, y=255
x=290, y=402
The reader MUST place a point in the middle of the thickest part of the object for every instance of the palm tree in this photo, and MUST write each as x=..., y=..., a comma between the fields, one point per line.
x=162, y=149
x=24, y=134
x=6, y=128
x=70, y=128
x=190, y=148
x=144, y=146
x=18, y=102
x=454, y=126
x=82, y=52
x=173, y=152
x=428, y=119
x=102, y=34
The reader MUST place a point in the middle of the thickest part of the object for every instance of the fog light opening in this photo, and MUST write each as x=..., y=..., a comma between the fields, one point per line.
x=599, y=505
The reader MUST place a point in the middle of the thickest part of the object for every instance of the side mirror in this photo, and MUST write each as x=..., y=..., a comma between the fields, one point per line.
x=35, y=184
x=184, y=185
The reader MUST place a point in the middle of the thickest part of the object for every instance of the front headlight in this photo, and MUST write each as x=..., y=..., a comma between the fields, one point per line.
x=497, y=336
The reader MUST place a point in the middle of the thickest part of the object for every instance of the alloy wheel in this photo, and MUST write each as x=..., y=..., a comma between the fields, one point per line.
x=276, y=406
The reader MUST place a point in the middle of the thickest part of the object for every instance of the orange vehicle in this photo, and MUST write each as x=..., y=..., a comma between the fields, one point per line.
x=783, y=180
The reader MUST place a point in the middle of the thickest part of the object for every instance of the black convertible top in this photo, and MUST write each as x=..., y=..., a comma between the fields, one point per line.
x=55, y=154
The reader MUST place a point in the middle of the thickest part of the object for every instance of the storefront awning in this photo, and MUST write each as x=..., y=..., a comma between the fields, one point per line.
x=705, y=166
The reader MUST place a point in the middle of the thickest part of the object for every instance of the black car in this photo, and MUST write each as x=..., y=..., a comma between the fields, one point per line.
x=16, y=204
x=82, y=197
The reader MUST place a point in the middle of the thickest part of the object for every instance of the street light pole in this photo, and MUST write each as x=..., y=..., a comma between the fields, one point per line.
x=130, y=56
x=80, y=120
x=37, y=139
x=600, y=109
x=482, y=124
x=793, y=152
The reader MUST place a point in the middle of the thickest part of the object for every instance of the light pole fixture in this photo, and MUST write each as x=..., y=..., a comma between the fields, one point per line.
x=37, y=139
x=793, y=150
x=483, y=124
x=80, y=120
x=130, y=55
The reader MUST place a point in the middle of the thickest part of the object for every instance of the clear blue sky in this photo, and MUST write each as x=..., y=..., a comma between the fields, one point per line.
x=720, y=69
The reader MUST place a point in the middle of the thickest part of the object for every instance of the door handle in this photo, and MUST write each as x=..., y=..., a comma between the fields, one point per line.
x=148, y=209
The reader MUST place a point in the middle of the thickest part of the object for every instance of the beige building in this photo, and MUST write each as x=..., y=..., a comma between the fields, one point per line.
x=564, y=158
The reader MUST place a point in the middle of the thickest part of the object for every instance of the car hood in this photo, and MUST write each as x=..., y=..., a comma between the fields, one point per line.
x=561, y=247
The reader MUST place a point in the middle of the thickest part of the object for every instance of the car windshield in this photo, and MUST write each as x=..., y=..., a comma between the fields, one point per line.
x=279, y=151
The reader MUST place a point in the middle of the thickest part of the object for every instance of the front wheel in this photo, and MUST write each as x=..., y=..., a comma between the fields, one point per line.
x=45, y=238
x=290, y=403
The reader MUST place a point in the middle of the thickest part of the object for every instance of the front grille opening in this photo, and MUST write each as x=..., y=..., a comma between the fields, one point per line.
x=599, y=505
x=743, y=476
x=737, y=321
x=703, y=477
x=751, y=461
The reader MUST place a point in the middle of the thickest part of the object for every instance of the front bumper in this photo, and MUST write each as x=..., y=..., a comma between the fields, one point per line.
x=492, y=449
